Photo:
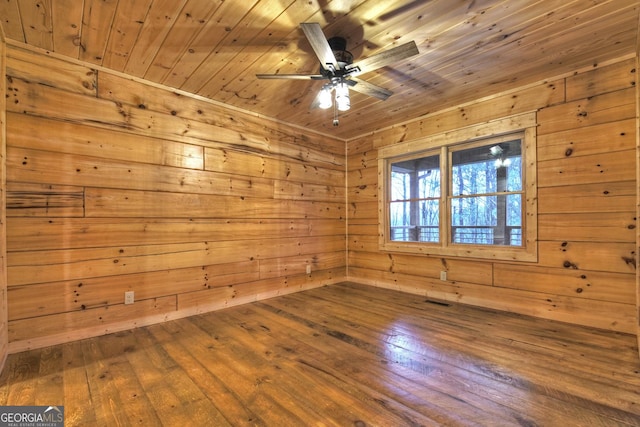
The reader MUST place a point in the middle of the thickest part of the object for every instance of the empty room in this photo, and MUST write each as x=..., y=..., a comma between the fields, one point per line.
x=319, y=213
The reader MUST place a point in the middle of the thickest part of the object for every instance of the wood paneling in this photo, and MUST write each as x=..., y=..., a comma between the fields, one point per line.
x=638, y=191
x=576, y=142
x=46, y=266
x=4, y=339
x=83, y=141
x=587, y=221
x=115, y=185
x=115, y=232
x=467, y=50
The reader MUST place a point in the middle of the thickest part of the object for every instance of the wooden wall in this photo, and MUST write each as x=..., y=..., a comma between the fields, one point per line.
x=587, y=188
x=4, y=340
x=638, y=190
x=115, y=185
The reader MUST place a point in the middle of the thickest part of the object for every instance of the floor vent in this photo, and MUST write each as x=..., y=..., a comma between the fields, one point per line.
x=442, y=303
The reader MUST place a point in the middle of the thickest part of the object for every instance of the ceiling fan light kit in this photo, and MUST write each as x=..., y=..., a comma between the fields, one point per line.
x=324, y=97
x=341, y=89
x=336, y=65
x=342, y=96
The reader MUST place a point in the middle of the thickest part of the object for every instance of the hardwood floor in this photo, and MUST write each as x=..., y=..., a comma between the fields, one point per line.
x=344, y=355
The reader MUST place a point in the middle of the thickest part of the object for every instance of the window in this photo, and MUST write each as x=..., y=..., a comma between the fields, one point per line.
x=461, y=197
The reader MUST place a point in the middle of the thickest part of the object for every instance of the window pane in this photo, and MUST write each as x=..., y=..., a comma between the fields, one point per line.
x=400, y=214
x=415, y=221
x=487, y=169
x=415, y=178
x=400, y=185
x=414, y=209
x=470, y=211
x=514, y=174
x=487, y=220
x=514, y=210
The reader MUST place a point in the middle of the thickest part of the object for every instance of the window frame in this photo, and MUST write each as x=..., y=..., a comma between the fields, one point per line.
x=523, y=126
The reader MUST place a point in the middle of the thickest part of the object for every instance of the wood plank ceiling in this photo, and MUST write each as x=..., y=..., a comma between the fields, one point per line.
x=214, y=48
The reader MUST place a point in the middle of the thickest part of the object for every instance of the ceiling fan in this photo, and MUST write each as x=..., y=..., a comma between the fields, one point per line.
x=337, y=66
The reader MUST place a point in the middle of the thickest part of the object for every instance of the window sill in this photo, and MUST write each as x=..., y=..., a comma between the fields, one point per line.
x=497, y=253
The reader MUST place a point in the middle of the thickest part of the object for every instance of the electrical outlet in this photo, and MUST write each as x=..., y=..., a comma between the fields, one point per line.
x=308, y=268
x=128, y=297
x=443, y=276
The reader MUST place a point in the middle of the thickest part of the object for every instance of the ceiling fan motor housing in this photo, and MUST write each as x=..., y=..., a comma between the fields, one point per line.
x=343, y=56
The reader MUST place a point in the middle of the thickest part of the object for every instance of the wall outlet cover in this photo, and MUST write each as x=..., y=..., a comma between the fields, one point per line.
x=128, y=297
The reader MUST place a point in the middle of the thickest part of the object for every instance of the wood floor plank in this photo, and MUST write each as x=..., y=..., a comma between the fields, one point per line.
x=20, y=376
x=76, y=386
x=258, y=363
x=341, y=395
x=366, y=374
x=435, y=376
x=114, y=381
x=245, y=375
x=49, y=385
x=515, y=334
x=588, y=338
x=173, y=395
x=618, y=396
x=339, y=355
x=194, y=366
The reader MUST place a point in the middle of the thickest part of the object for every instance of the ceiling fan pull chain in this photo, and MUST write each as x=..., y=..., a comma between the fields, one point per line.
x=336, y=122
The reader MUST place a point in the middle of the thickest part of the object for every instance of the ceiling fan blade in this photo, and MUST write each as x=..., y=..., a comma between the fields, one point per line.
x=320, y=45
x=368, y=88
x=402, y=9
x=384, y=58
x=291, y=76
